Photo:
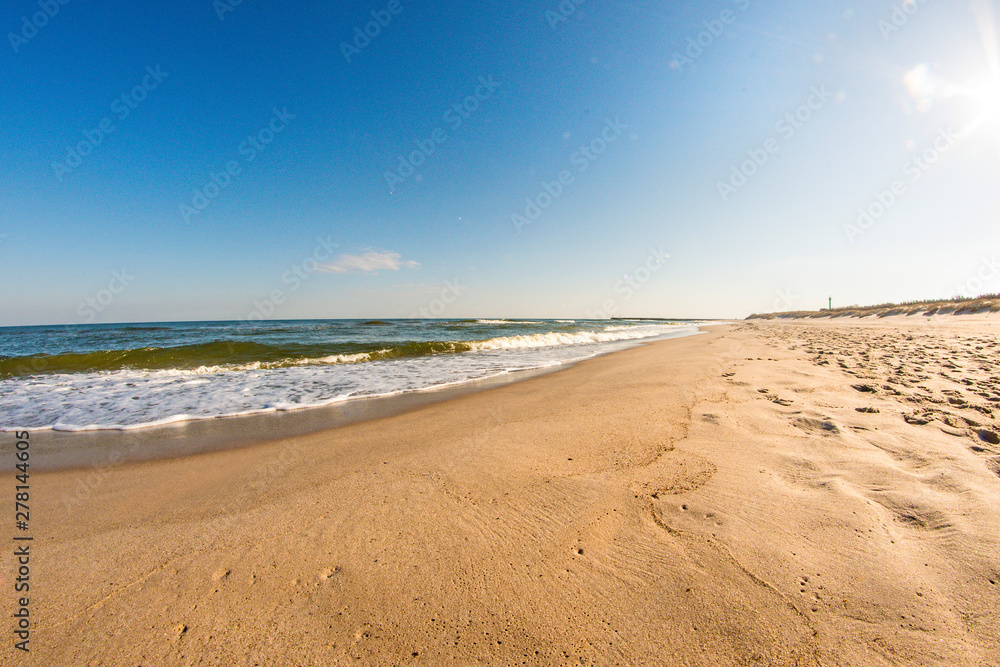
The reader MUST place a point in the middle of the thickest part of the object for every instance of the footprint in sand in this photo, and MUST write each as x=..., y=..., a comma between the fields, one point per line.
x=812, y=590
x=919, y=419
x=818, y=426
x=912, y=514
x=988, y=436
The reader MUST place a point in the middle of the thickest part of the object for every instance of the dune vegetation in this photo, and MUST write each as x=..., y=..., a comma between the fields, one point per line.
x=957, y=306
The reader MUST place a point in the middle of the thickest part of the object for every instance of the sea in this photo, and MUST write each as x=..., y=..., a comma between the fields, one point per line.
x=129, y=376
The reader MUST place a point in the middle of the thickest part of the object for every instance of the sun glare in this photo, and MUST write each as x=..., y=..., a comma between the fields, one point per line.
x=988, y=98
x=974, y=99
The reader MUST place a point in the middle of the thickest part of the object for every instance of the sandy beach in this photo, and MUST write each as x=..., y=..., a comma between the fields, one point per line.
x=410, y=333
x=767, y=493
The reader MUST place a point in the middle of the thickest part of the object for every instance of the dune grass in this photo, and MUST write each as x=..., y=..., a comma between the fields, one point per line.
x=957, y=306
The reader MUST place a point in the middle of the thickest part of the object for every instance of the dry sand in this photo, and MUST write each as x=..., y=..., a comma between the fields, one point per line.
x=713, y=500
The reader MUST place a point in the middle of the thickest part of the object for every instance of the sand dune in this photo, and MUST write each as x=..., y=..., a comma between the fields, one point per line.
x=776, y=493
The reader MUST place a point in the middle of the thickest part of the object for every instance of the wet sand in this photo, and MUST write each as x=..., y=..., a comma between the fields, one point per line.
x=715, y=500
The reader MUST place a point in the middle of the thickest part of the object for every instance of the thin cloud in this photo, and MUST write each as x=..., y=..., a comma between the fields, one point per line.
x=371, y=261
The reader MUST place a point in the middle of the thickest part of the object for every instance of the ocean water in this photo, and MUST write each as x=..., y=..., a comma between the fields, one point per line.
x=123, y=376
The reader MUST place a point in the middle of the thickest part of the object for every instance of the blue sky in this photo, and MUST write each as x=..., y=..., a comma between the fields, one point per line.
x=250, y=165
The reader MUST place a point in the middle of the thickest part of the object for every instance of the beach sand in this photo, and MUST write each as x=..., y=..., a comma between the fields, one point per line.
x=712, y=500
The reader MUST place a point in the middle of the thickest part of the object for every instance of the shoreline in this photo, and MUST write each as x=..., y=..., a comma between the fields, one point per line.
x=103, y=379
x=73, y=450
x=101, y=448
x=715, y=500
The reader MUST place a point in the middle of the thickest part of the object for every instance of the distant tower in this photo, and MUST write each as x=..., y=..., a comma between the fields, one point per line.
x=830, y=303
